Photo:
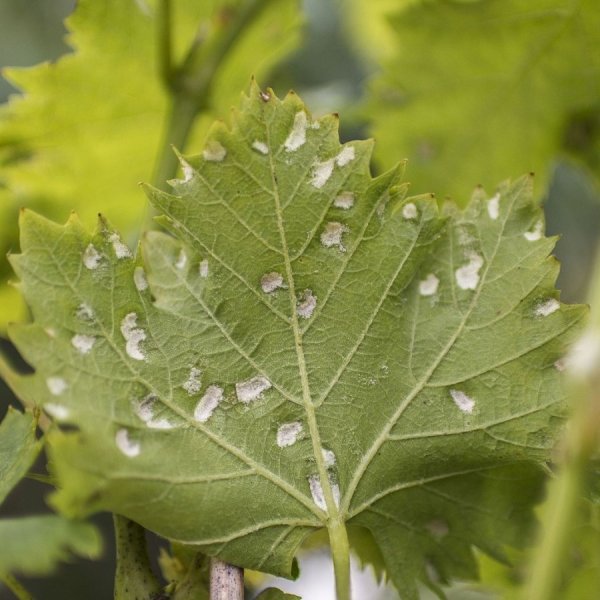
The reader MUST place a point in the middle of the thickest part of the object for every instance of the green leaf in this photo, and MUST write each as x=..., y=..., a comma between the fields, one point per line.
x=88, y=128
x=276, y=594
x=479, y=90
x=35, y=545
x=18, y=449
x=312, y=349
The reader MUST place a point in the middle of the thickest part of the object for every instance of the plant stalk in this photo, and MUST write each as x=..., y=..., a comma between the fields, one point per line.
x=15, y=587
x=226, y=581
x=340, y=554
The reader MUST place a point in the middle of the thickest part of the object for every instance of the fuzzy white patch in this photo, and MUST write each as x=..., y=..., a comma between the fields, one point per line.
x=193, y=383
x=270, y=282
x=188, y=171
x=535, y=234
x=58, y=411
x=409, y=211
x=583, y=358
x=328, y=458
x=316, y=491
x=464, y=403
x=145, y=407
x=133, y=336
x=160, y=424
x=251, y=389
x=344, y=201
x=346, y=155
x=322, y=172
x=83, y=343
x=121, y=249
x=287, y=434
x=306, y=305
x=84, y=312
x=467, y=276
x=437, y=528
x=332, y=235
x=297, y=136
x=91, y=257
x=203, y=268
x=429, y=285
x=547, y=308
x=139, y=278
x=260, y=147
x=208, y=403
x=214, y=151
x=493, y=207
x=181, y=260
x=125, y=445
x=56, y=385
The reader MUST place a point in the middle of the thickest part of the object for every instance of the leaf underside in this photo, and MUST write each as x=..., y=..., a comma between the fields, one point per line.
x=304, y=330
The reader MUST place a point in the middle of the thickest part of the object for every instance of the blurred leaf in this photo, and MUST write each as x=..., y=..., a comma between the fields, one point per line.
x=18, y=449
x=478, y=91
x=35, y=545
x=309, y=348
x=276, y=594
x=89, y=127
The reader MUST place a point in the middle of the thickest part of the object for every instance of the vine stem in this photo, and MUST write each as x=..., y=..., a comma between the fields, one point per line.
x=340, y=553
x=15, y=587
x=226, y=581
x=567, y=490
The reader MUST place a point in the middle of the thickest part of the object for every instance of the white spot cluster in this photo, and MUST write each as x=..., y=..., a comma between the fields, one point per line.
x=535, y=234
x=583, y=358
x=83, y=343
x=316, y=491
x=208, y=403
x=252, y=389
x=332, y=235
x=91, y=257
x=58, y=411
x=543, y=309
x=429, y=285
x=287, y=434
x=84, y=312
x=214, y=151
x=260, y=147
x=127, y=446
x=188, y=171
x=145, y=410
x=121, y=249
x=493, y=207
x=297, y=136
x=139, y=278
x=464, y=402
x=306, y=305
x=328, y=458
x=322, y=171
x=181, y=260
x=271, y=282
x=467, y=276
x=345, y=200
x=409, y=211
x=133, y=336
x=203, y=268
x=346, y=155
x=193, y=383
x=56, y=385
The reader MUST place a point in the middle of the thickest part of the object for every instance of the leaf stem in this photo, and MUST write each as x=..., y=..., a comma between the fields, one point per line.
x=340, y=554
x=15, y=587
x=226, y=581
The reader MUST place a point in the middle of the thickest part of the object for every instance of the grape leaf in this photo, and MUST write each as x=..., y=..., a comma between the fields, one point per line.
x=308, y=348
x=276, y=594
x=18, y=449
x=89, y=127
x=35, y=545
x=507, y=86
